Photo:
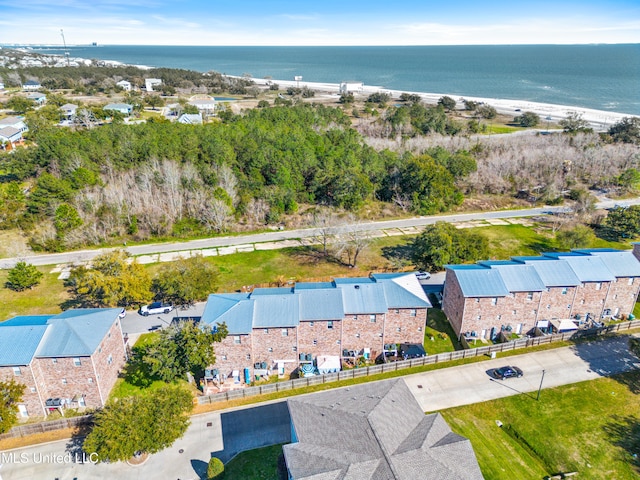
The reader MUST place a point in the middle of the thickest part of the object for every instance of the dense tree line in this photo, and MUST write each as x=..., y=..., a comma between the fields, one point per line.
x=87, y=185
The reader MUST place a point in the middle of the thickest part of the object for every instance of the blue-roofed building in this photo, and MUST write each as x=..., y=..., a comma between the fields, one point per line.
x=71, y=359
x=123, y=108
x=282, y=327
x=515, y=295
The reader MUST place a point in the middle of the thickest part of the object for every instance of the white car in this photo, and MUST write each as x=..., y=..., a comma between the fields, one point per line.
x=423, y=275
x=155, y=308
x=122, y=314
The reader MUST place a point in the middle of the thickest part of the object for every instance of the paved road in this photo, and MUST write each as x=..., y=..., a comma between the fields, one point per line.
x=225, y=433
x=281, y=235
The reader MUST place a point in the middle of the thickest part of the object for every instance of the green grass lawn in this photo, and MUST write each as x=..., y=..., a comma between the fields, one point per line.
x=258, y=464
x=43, y=298
x=589, y=427
x=439, y=337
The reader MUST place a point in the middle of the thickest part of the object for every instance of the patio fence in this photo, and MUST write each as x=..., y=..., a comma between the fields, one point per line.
x=43, y=427
x=415, y=362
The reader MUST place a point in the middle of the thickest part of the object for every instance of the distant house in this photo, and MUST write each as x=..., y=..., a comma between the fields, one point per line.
x=11, y=130
x=31, y=85
x=1, y=85
x=69, y=110
x=351, y=87
x=149, y=83
x=123, y=108
x=207, y=105
x=191, y=118
x=375, y=431
x=72, y=359
x=38, y=98
x=125, y=85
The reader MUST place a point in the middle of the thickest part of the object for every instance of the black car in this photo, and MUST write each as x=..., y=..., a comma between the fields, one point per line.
x=506, y=372
x=411, y=350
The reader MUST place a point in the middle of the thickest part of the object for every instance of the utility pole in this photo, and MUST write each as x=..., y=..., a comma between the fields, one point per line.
x=66, y=53
x=540, y=388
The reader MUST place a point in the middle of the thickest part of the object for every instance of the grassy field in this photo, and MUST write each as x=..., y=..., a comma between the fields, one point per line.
x=258, y=464
x=591, y=428
x=44, y=298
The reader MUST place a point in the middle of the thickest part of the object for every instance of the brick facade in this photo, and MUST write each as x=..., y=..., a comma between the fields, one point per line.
x=31, y=397
x=520, y=311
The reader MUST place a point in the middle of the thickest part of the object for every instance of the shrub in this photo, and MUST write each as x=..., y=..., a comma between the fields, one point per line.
x=215, y=470
x=23, y=276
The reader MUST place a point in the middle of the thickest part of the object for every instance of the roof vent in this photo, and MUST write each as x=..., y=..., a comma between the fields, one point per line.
x=356, y=287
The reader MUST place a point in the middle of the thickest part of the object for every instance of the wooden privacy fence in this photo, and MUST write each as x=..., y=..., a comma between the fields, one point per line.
x=415, y=362
x=42, y=427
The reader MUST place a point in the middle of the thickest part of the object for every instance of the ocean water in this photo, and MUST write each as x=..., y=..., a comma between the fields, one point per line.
x=604, y=77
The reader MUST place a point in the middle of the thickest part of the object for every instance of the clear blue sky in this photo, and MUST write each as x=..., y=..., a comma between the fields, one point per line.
x=329, y=22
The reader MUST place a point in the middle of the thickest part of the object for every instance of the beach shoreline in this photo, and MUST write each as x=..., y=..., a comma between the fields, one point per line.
x=600, y=120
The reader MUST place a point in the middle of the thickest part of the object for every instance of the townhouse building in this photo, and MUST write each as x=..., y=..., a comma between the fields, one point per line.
x=68, y=360
x=278, y=329
x=517, y=295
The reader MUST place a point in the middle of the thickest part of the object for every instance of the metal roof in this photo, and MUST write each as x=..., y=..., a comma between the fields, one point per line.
x=26, y=320
x=518, y=277
x=271, y=291
x=405, y=292
x=313, y=285
x=19, y=343
x=276, y=311
x=588, y=268
x=554, y=273
x=480, y=281
x=239, y=319
x=321, y=304
x=77, y=332
x=364, y=298
x=621, y=263
x=352, y=280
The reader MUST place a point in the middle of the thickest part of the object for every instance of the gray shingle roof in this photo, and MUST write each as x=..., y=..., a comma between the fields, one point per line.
x=374, y=431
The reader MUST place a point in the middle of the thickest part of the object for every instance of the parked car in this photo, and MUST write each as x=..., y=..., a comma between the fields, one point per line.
x=411, y=350
x=122, y=314
x=506, y=372
x=155, y=308
x=423, y=275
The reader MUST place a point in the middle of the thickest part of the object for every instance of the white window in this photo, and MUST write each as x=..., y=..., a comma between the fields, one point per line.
x=529, y=295
x=479, y=317
x=330, y=324
x=54, y=360
x=315, y=342
x=515, y=312
x=33, y=389
x=357, y=335
x=499, y=317
x=413, y=312
x=372, y=318
x=248, y=357
x=337, y=342
x=236, y=339
x=477, y=300
x=76, y=361
x=110, y=359
x=548, y=306
x=630, y=280
x=494, y=301
x=311, y=324
x=224, y=357
x=270, y=349
x=397, y=310
x=64, y=381
x=284, y=332
x=419, y=329
x=23, y=410
x=89, y=380
x=81, y=402
x=355, y=317
x=598, y=286
x=399, y=329
x=565, y=290
x=16, y=371
x=266, y=331
x=294, y=348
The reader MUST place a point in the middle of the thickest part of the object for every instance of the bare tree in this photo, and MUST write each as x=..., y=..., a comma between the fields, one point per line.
x=353, y=240
x=327, y=225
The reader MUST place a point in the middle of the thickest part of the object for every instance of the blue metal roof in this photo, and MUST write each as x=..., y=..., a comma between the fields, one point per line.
x=363, y=298
x=313, y=285
x=405, y=292
x=26, y=320
x=621, y=263
x=239, y=318
x=276, y=311
x=481, y=282
x=518, y=277
x=389, y=276
x=77, y=332
x=554, y=273
x=272, y=291
x=351, y=280
x=18, y=343
x=321, y=304
x=589, y=268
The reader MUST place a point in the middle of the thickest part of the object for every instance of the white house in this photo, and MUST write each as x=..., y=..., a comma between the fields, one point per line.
x=68, y=110
x=123, y=108
x=191, y=118
x=31, y=85
x=125, y=85
x=204, y=105
x=149, y=83
x=351, y=87
x=38, y=98
x=11, y=130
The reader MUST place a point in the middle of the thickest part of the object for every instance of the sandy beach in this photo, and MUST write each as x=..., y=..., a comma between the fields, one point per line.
x=600, y=120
